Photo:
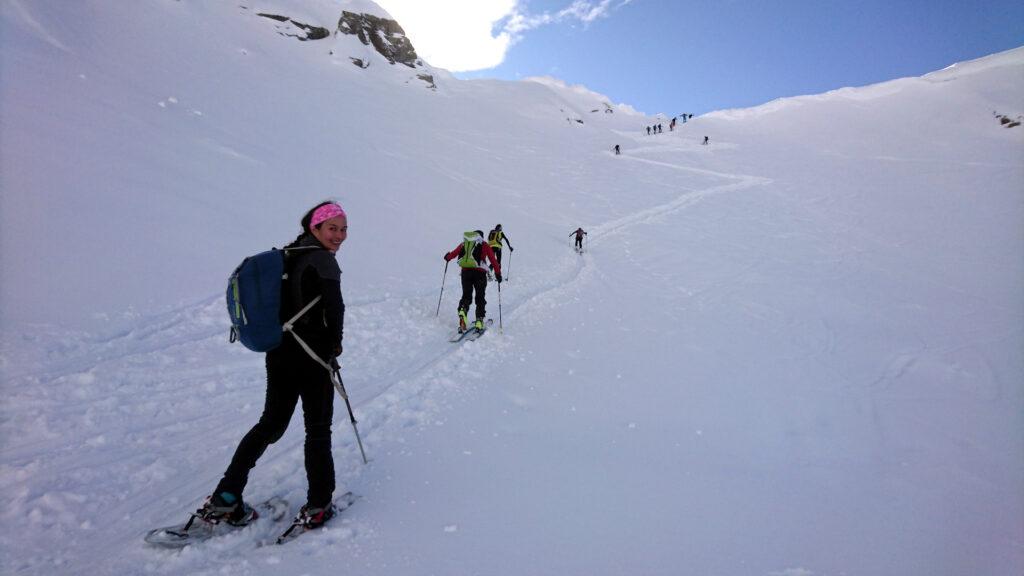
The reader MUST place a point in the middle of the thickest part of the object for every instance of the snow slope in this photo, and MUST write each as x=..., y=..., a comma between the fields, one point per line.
x=793, y=351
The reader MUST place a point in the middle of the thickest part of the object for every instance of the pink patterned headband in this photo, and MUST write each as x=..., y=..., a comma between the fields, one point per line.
x=325, y=212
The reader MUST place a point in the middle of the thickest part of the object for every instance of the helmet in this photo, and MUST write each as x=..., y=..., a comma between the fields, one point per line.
x=498, y=227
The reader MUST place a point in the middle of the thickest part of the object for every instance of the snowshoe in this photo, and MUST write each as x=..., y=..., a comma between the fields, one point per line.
x=214, y=519
x=310, y=518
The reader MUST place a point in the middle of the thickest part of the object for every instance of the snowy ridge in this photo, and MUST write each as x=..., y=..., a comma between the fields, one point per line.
x=586, y=97
x=1009, y=59
x=794, y=350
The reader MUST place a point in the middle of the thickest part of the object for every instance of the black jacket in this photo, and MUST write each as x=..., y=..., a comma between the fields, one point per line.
x=313, y=271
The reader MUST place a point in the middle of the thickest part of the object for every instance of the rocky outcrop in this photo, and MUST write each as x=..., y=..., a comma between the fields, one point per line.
x=429, y=79
x=1006, y=121
x=304, y=31
x=386, y=36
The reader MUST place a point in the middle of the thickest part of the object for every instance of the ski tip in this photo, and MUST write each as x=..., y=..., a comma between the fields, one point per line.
x=341, y=503
x=175, y=537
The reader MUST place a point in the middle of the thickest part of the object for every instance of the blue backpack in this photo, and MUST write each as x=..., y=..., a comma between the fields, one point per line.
x=254, y=301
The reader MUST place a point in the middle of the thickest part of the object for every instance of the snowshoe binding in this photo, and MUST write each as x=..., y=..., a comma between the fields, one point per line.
x=311, y=518
x=228, y=508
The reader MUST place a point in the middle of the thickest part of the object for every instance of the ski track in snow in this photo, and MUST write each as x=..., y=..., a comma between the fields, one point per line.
x=401, y=374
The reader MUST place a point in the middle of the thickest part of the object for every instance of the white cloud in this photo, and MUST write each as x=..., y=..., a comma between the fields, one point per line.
x=454, y=34
x=584, y=11
x=461, y=35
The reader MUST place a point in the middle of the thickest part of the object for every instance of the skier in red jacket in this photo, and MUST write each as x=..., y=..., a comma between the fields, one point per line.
x=471, y=253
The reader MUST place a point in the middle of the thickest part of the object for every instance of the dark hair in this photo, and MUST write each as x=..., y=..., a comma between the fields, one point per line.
x=305, y=223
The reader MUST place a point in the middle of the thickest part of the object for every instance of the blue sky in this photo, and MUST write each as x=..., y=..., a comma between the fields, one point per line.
x=698, y=56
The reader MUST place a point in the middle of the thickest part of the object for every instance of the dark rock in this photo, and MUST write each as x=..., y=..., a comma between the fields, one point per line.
x=429, y=79
x=310, y=32
x=274, y=17
x=1006, y=121
x=387, y=37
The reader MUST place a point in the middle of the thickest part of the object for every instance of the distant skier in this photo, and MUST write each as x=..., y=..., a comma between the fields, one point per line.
x=494, y=239
x=617, y=152
x=672, y=125
x=579, y=238
x=471, y=254
x=659, y=129
x=648, y=130
x=705, y=140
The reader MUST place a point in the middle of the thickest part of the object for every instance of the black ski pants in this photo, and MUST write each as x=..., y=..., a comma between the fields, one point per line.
x=474, y=279
x=291, y=375
x=497, y=254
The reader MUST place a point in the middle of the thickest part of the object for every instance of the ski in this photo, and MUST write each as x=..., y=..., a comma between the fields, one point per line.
x=196, y=529
x=297, y=528
x=470, y=334
x=475, y=333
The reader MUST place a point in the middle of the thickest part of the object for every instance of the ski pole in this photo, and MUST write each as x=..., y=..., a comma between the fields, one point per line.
x=445, y=275
x=340, y=386
x=501, y=327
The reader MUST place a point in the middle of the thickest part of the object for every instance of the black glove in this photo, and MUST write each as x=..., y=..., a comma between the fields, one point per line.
x=444, y=256
x=337, y=350
x=511, y=249
x=498, y=278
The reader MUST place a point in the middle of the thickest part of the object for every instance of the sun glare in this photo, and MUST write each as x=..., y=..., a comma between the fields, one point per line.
x=458, y=35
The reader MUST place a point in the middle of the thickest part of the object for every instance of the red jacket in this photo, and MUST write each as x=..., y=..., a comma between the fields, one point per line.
x=485, y=252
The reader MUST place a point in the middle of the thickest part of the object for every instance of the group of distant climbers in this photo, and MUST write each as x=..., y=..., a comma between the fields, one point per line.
x=657, y=128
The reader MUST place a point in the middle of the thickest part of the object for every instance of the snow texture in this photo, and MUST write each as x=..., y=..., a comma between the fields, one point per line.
x=793, y=351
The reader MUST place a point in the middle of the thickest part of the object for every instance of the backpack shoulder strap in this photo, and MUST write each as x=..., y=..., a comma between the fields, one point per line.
x=287, y=326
